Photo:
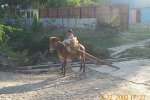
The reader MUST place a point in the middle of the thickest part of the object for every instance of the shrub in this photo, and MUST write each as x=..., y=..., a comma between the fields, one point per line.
x=10, y=34
x=18, y=58
x=2, y=34
x=41, y=45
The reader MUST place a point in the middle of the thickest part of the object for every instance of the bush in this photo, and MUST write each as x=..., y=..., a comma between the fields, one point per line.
x=2, y=34
x=10, y=34
x=18, y=58
x=41, y=45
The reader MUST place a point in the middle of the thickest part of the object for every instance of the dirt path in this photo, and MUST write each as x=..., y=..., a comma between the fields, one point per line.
x=90, y=85
x=122, y=48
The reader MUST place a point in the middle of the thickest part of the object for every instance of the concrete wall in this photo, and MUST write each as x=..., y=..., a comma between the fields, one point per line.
x=84, y=23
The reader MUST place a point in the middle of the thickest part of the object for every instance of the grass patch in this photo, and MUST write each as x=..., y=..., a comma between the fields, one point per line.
x=137, y=52
x=110, y=40
x=140, y=30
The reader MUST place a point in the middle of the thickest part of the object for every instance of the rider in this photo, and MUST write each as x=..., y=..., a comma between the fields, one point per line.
x=70, y=39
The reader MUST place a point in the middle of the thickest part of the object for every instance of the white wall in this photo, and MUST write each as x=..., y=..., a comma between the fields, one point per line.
x=84, y=23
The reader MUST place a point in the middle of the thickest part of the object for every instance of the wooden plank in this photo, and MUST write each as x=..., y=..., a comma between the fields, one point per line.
x=99, y=60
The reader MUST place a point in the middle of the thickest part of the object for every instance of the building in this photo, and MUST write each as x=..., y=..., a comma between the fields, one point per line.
x=139, y=11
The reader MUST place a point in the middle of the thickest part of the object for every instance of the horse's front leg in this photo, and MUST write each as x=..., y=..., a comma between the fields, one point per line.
x=64, y=67
x=62, y=61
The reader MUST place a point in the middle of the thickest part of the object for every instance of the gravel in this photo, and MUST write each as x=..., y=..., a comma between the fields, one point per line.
x=77, y=85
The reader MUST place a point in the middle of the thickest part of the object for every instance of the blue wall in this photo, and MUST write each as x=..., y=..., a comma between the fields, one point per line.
x=145, y=15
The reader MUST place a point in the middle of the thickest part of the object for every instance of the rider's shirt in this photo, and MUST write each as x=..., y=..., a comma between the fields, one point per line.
x=70, y=36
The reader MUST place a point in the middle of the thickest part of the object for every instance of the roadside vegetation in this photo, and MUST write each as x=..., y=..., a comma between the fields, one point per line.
x=30, y=45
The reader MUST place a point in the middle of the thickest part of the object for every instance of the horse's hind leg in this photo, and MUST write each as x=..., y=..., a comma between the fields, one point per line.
x=83, y=64
x=82, y=60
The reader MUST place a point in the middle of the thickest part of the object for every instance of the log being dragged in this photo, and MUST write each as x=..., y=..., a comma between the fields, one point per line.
x=99, y=61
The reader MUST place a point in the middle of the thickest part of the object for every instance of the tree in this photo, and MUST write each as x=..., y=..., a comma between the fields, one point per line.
x=11, y=6
x=63, y=3
x=56, y=3
x=93, y=2
x=73, y=3
x=100, y=2
x=36, y=3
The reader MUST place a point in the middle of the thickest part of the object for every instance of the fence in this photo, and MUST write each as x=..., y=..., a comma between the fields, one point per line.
x=115, y=15
x=68, y=12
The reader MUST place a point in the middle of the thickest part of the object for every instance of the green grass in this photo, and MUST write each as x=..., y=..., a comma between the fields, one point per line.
x=137, y=52
x=140, y=30
x=111, y=40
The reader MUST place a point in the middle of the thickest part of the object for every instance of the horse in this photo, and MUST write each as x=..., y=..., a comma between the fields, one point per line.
x=61, y=49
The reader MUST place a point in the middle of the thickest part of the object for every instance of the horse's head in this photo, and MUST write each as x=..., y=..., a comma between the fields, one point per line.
x=53, y=43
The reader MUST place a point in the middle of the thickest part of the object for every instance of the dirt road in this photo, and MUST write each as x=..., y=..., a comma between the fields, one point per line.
x=91, y=85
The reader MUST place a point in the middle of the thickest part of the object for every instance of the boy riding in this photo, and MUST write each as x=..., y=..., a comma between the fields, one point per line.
x=70, y=40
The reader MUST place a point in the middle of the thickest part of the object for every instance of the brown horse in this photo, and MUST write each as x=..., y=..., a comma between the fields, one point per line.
x=63, y=54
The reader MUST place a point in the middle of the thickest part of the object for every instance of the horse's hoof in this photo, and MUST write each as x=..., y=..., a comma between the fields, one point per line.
x=80, y=69
x=84, y=70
